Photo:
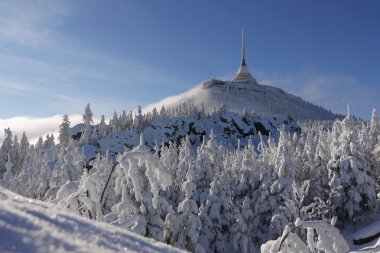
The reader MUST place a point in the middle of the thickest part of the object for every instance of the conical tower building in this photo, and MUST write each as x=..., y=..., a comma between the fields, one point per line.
x=243, y=75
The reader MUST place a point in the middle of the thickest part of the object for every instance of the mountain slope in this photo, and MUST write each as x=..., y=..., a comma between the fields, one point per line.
x=265, y=100
x=228, y=128
x=28, y=225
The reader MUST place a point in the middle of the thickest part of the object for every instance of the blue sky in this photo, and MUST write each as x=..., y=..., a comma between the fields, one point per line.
x=56, y=56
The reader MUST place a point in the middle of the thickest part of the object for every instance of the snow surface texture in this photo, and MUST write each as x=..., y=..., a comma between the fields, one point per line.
x=222, y=199
x=265, y=100
x=362, y=229
x=321, y=237
x=228, y=129
x=368, y=231
x=28, y=225
x=231, y=199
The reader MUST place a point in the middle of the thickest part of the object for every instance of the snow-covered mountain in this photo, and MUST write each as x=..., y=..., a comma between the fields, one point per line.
x=227, y=127
x=267, y=101
x=28, y=225
x=202, y=194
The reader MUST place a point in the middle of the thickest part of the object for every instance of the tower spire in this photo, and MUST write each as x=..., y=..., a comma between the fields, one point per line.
x=242, y=48
x=243, y=74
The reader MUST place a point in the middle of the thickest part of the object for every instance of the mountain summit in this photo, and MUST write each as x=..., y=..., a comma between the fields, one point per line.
x=245, y=93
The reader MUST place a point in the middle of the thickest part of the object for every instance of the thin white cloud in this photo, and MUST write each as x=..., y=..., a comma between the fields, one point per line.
x=69, y=86
x=172, y=99
x=64, y=75
x=35, y=127
x=52, y=85
x=28, y=22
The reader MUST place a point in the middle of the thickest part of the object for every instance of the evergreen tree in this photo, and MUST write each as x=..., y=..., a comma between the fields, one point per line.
x=64, y=131
x=139, y=119
x=15, y=155
x=102, y=127
x=154, y=113
x=24, y=146
x=40, y=144
x=87, y=116
x=374, y=129
x=49, y=141
x=352, y=187
x=5, y=149
x=8, y=175
x=162, y=112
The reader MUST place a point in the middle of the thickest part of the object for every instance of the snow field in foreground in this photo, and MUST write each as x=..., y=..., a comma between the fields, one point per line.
x=28, y=225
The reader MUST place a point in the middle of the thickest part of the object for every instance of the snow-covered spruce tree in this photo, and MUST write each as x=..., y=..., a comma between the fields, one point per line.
x=217, y=217
x=288, y=242
x=138, y=121
x=294, y=207
x=169, y=158
x=64, y=131
x=155, y=113
x=258, y=205
x=285, y=168
x=243, y=171
x=90, y=194
x=207, y=164
x=204, y=173
x=102, y=127
x=240, y=234
x=86, y=199
x=374, y=129
x=115, y=123
x=146, y=175
x=41, y=184
x=104, y=165
x=284, y=175
x=187, y=225
x=186, y=162
x=49, y=141
x=65, y=170
x=40, y=144
x=367, y=147
x=321, y=237
x=123, y=119
x=315, y=170
x=87, y=116
x=352, y=187
x=15, y=155
x=5, y=149
x=162, y=112
x=375, y=139
x=87, y=135
x=8, y=175
x=24, y=148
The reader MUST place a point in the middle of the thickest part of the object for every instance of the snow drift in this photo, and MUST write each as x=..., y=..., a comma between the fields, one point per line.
x=28, y=225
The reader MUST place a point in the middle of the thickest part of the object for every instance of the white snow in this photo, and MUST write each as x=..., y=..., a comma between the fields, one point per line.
x=265, y=100
x=226, y=129
x=203, y=197
x=370, y=247
x=368, y=231
x=28, y=225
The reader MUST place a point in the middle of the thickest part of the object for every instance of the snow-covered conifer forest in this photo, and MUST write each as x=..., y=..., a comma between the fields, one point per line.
x=202, y=181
